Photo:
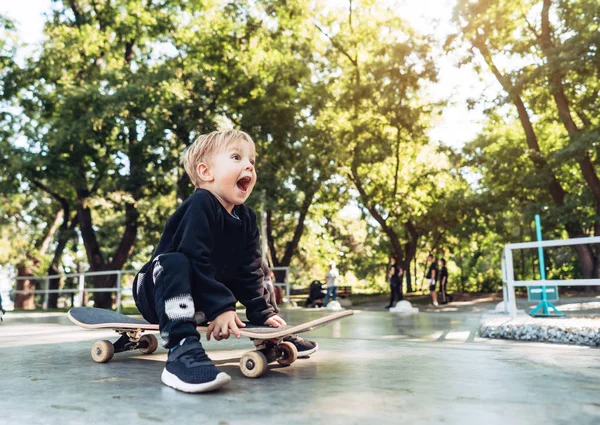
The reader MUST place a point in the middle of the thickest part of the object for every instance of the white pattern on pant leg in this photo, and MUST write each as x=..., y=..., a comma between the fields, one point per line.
x=180, y=307
x=156, y=269
x=165, y=338
x=140, y=282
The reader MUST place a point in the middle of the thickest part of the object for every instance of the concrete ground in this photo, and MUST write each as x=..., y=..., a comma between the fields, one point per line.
x=372, y=368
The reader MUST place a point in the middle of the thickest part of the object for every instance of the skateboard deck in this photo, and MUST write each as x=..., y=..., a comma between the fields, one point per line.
x=268, y=341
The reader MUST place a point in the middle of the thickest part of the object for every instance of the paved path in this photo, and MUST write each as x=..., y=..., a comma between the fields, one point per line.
x=374, y=367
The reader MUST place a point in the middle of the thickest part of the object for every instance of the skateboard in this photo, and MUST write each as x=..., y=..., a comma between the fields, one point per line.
x=268, y=341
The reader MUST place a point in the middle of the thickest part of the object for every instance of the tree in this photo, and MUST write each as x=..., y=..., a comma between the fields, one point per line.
x=380, y=118
x=28, y=220
x=97, y=123
x=280, y=106
x=501, y=30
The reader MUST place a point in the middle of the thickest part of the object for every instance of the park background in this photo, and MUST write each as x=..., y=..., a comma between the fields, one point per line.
x=382, y=127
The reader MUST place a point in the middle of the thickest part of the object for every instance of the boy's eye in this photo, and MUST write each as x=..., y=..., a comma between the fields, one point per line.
x=253, y=162
x=236, y=157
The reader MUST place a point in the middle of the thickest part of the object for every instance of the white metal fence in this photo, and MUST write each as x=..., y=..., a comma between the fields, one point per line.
x=81, y=287
x=286, y=281
x=508, y=273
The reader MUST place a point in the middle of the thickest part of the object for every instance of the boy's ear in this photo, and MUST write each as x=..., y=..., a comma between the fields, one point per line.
x=204, y=172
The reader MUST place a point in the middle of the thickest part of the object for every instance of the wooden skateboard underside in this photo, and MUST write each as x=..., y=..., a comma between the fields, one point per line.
x=95, y=318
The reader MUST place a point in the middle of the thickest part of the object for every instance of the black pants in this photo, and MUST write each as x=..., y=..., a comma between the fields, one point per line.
x=396, y=292
x=163, y=294
x=445, y=297
x=162, y=291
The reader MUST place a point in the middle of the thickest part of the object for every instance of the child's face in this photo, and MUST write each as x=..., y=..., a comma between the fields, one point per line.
x=234, y=174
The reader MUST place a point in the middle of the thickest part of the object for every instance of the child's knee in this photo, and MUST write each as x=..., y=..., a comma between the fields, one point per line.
x=180, y=307
x=172, y=263
x=171, y=277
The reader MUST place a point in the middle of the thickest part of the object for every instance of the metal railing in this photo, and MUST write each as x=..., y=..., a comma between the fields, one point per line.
x=81, y=288
x=508, y=273
x=286, y=282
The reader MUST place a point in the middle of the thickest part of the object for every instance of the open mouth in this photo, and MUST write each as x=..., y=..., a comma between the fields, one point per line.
x=243, y=183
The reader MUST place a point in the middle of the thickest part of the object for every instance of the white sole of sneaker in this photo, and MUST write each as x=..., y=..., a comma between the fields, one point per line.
x=173, y=381
x=307, y=353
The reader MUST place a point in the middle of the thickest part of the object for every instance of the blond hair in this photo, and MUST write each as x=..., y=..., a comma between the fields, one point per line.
x=207, y=145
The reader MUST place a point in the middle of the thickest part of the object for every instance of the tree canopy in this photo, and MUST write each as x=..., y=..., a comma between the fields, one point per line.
x=337, y=96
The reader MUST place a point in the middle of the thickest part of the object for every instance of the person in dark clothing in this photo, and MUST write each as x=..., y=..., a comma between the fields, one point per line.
x=432, y=276
x=395, y=275
x=207, y=259
x=443, y=282
x=315, y=294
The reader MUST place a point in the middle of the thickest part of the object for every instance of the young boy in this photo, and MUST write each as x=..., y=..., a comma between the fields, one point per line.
x=207, y=259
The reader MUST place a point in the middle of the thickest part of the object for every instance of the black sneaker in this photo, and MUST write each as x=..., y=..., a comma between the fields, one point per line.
x=189, y=369
x=305, y=347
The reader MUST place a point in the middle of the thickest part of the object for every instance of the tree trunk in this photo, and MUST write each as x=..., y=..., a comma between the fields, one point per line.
x=53, y=284
x=292, y=246
x=406, y=253
x=391, y=234
x=65, y=232
x=460, y=263
x=25, y=301
x=183, y=187
x=126, y=244
x=95, y=259
x=92, y=250
x=411, y=253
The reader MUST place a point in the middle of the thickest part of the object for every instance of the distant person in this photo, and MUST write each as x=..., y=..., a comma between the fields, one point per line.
x=432, y=276
x=331, y=279
x=443, y=283
x=395, y=275
x=315, y=294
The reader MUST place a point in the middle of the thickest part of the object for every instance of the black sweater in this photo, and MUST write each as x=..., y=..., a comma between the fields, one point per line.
x=224, y=253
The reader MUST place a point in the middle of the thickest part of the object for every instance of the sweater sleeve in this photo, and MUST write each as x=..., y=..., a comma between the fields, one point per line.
x=249, y=287
x=194, y=239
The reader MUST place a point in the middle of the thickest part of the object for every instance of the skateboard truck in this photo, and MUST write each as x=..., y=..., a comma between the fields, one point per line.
x=254, y=363
x=104, y=350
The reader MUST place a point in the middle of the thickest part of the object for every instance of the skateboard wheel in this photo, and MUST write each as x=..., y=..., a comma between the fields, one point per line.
x=253, y=364
x=289, y=353
x=103, y=351
x=151, y=343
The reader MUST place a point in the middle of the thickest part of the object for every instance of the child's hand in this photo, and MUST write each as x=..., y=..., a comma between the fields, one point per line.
x=275, y=321
x=219, y=328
